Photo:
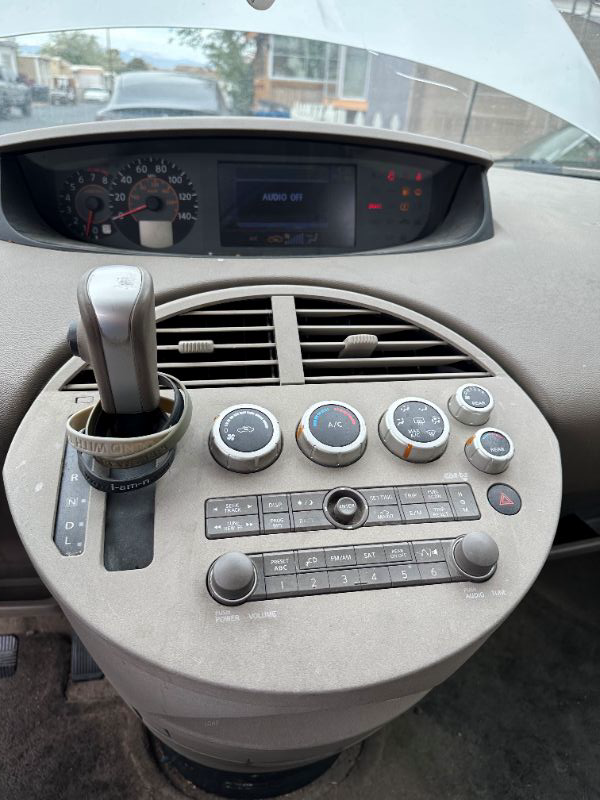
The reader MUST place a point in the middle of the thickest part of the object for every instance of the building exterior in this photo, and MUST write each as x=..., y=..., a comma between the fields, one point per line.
x=8, y=60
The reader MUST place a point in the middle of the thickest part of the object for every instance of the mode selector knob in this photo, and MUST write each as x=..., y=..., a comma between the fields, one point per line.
x=232, y=578
x=471, y=404
x=331, y=433
x=490, y=450
x=476, y=556
x=415, y=429
x=245, y=438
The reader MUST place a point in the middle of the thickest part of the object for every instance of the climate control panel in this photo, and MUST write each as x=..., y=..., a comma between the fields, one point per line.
x=332, y=433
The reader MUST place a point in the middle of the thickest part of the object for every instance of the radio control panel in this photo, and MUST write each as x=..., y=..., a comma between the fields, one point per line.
x=226, y=517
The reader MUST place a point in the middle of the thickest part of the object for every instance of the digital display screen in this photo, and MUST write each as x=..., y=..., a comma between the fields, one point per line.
x=287, y=205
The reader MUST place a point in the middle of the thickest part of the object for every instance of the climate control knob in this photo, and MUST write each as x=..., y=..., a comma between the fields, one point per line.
x=245, y=438
x=471, y=404
x=490, y=450
x=232, y=578
x=476, y=556
x=332, y=434
x=415, y=429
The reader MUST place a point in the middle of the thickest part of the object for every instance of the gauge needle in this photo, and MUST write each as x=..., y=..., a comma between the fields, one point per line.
x=88, y=224
x=127, y=213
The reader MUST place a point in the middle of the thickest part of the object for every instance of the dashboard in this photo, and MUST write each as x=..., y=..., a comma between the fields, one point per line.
x=244, y=195
x=373, y=470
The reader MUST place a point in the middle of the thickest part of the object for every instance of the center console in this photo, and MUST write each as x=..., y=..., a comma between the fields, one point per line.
x=333, y=538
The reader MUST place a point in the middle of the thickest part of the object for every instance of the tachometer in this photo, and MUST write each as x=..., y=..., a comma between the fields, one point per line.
x=84, y=203
x=153, y=202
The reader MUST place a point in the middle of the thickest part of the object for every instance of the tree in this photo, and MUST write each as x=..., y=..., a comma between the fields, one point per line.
x=76, y=47
x=136, y=65
x=231, y=54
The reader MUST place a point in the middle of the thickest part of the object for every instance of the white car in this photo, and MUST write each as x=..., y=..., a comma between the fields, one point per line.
x=96, y=95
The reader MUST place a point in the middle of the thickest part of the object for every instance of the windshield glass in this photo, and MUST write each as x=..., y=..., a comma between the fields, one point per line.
x=82, y=76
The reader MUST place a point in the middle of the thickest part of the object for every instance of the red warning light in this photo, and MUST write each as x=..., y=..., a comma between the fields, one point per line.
x=375, y=206
x=418, y=192
x=505, y=500
x=391, y=176
x=419, y=176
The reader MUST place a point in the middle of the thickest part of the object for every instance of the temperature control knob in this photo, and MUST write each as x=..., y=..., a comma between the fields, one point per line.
x=415, y=429
x=245, y=438
x=232, y=578
x=476, y=556
x=490, y=450
x=471, y=404
x=332, y=434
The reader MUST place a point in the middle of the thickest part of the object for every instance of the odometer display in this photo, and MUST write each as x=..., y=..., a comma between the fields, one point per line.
x=153, y=203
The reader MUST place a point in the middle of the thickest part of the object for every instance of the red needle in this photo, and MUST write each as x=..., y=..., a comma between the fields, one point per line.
x=88, y=224
x=133, y=211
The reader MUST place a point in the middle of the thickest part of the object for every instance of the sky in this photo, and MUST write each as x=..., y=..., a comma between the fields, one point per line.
x=145, y=41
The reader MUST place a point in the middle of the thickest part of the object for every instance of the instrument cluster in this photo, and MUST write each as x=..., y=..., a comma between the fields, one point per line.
x=241, y=196
x=151, y=201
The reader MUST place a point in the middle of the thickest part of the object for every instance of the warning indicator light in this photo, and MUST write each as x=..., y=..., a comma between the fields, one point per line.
x=419, y=176
x=375, y=206
x=391, y=176
x=505, y=500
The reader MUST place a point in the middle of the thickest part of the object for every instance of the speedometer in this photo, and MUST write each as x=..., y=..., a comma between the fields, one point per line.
x=153, y=202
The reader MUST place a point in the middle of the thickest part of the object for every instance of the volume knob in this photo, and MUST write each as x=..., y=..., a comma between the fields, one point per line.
x=232, y=578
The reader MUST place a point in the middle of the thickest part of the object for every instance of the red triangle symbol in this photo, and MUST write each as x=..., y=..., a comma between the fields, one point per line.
x=505, y=500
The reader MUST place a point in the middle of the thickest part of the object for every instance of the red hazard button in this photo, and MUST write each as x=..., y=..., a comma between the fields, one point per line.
x=504, y=499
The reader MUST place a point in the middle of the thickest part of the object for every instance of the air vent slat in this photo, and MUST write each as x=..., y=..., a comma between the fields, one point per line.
x=187, y=331
x=349, y=328
x=168, y=365
x=408, y=376
x=383, y=361
x=398, y=349
x=239, y=346
x=381, y=346
x=233, y=344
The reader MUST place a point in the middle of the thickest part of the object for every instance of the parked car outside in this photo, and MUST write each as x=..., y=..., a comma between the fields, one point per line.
x=165, y=94
x=13, y=94
x=95, y=95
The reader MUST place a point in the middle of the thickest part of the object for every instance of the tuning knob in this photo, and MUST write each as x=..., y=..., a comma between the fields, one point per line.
x=232, y=578
x=332, y=434
x=415, y=429
x=471, y=404
x=490, y=450
x=476, y=556
x=245, y=438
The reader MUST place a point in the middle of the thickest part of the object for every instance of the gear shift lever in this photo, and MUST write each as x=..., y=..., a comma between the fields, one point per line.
x=131, y=426
x=117, y=336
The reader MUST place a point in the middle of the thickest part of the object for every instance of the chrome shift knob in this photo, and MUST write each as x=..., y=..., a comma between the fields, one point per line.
x=116, y=335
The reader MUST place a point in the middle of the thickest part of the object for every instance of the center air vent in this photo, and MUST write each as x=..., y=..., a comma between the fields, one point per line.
x=321, y=340
x=341, y=342
x=229, y=344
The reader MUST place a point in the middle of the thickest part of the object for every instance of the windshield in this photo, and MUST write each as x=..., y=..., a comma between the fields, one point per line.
x=82, y=76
